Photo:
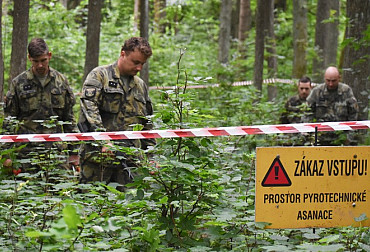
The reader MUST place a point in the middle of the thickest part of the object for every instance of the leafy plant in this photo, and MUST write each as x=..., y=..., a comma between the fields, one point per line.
x=191, y=194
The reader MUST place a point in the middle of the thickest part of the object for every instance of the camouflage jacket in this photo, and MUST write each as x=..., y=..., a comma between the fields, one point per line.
x=34, y=105
x=107, y=104
x=332, y=106
x=293, y=110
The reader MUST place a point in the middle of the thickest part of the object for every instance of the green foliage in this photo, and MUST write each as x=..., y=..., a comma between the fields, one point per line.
x=117, y=26
x=65, y=37
x=192, y=194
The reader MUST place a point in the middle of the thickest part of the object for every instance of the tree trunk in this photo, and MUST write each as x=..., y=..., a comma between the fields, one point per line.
x=144, y=32
x=159, y=16
x=356, y=60
x=93, y=35
x=1, y=59
x=245, y=25
x=299, y=38
x=318, y=63
x=332, y=32
x=136, y=15
x=225, y=31
x=71, y=4
x=326, y=37
x=280, y=4
x=235, y=19
x=245, y=22
x=261, y=14
x=18, y=60
x=271, y=50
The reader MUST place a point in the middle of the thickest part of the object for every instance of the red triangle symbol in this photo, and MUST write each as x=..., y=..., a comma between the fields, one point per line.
x=276, y=175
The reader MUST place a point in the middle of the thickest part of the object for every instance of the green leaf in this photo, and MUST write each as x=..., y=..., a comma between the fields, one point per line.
x=70, y=216
x=279, y=238
x=137, y=127
x=140, y=194
x=330, y=239
x=169, y=235
x=262, y=225
x=33, y=234
x=205, y=142
x=164, y=200
x=321, y=248
x=237, y=178
x=98, y=229
x=311, y=236
x=200, y=249
x=225, y=215
x=64, y=185
x=276, y=248
x=365, y=247
x=362, y=217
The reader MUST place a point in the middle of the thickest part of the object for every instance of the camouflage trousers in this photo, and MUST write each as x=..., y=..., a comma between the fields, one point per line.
x=108, y=169
x=35, y=157
x=338, y=138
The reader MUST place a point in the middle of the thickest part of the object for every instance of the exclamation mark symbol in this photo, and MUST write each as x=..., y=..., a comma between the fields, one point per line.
x=365, y=166
x=276, y=172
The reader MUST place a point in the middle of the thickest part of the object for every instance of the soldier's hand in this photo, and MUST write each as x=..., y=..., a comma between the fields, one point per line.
x=74, y=162
x=107, y=148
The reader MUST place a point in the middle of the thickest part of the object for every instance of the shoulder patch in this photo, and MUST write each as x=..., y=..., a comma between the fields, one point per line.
x=90, y=92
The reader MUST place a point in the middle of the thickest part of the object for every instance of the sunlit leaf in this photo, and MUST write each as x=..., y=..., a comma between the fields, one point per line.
x=71, y=218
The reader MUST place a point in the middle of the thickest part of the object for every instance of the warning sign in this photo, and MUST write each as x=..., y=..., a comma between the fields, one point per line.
x=276, y=175
x=298, y=187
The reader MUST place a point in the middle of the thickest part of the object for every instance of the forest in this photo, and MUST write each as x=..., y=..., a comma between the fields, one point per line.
x=215, y=63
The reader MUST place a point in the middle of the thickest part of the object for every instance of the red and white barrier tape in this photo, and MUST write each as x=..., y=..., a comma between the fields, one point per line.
x=197, y=132
x=234, y=84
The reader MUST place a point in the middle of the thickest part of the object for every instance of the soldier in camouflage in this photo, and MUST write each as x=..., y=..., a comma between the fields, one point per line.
x=332, y=101
x=115, y=99
x=294, y=107
x=37, y=97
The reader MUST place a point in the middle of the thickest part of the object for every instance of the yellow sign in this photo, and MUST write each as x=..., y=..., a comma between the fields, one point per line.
x=298, y=187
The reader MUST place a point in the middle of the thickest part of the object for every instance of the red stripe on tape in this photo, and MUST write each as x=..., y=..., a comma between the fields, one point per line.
x=80, y=137
x=52, y=139
x=13, y=138
x=287, y=129
x=355, y=125
x=322, y=127
x=148, y=134
x=252, y=131
x=114, y=136
x=218, y=132
x=181, y=133
x=47, y=138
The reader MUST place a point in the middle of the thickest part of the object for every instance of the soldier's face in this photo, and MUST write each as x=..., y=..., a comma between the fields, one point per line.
x=332, y=81
x=40, y=64
x=304, y=89
x=132, y=62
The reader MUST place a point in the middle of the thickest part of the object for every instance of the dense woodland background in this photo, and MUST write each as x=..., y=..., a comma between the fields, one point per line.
x=202, y=196
x=231, y=40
